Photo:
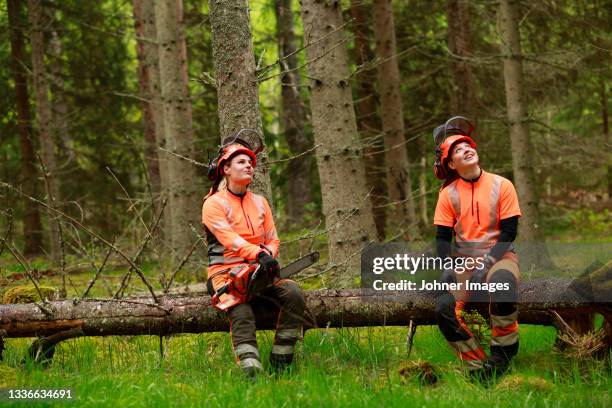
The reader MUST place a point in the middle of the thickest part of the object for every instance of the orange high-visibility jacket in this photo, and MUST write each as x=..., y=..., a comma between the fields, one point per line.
x=474, y=210
x=237, y=229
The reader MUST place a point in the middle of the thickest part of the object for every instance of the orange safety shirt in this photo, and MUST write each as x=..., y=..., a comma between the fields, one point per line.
x=237, y=229
x=474, y=210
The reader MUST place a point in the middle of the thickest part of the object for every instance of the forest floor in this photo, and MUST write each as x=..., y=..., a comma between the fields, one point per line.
x=335, y=367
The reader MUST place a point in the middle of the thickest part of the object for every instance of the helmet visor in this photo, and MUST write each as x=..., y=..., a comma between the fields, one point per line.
x=457, y=125
x=248, y=138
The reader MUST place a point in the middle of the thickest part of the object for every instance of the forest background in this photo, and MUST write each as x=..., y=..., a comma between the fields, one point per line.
x=111, y=110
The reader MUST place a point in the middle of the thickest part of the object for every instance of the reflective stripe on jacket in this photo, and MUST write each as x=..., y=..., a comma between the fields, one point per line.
x=475, y=208
x=237, y=228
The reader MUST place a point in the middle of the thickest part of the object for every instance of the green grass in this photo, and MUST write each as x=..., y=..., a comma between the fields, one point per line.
x=337, y=367
x=341, y=367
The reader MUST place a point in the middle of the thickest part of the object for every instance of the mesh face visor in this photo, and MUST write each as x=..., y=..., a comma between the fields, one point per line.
x=457, y=125
x=248, y=138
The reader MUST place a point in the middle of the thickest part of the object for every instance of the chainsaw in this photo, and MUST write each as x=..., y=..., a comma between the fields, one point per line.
x=247, y=280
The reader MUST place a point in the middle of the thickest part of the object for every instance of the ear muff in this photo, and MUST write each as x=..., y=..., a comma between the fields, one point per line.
x=213, y=166
x=439, y=168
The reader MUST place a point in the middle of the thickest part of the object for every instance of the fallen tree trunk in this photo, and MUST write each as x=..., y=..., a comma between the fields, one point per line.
x=327, y=308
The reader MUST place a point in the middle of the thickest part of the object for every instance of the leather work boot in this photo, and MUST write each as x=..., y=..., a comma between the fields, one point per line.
x=497, y=365
x=251, y=367
x=248, y=359
x=279, y=363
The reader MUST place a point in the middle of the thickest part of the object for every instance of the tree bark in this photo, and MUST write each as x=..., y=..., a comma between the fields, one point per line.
x=184, y=207
x=423, y=170
x=368, y=121
x=606, y=132
x=463, y=91
x=151, y=62
x=326, y=308
x=402, y=211
x=293, y=117
x=346, y=206
x=59, y=107
x=235, y=70
x=522, y=164
x=43, y=119
x=144, y=24
x=32, y=227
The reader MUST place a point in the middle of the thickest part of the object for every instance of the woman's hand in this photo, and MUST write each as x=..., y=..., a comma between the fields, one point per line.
x=268, y=264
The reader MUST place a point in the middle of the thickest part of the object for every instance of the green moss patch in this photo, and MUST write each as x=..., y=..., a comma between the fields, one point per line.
x=27, y=294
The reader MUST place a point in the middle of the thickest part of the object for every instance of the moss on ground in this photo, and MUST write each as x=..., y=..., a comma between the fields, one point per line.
x=27, y=294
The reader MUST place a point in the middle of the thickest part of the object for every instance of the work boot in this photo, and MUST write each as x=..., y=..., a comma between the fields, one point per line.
x=496, y=365
x=251, y=367
x=283, y=348
x=248, y=360
x=279, y=363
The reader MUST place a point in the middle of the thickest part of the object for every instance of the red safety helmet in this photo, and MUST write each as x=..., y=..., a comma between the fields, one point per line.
x=230, y=147
x=457, y=129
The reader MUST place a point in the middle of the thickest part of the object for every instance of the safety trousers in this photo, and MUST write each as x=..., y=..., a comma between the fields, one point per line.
x=503, y=318
x=285, y=296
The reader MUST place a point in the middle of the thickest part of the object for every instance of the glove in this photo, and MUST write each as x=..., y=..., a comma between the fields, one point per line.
x=266, y=274
x=268, y=264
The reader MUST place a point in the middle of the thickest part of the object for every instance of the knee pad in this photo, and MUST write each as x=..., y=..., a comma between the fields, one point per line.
x=503, y=302
x=445, y=305
x=291, y=292
x=447, y=321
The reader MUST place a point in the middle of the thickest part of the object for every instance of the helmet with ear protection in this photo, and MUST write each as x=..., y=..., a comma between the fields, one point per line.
x=456, y=129
x=230, y=147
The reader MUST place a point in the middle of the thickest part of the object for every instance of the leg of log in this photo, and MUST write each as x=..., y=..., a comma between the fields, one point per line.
x=412, y=326
x=575, y=323
x=43, y=348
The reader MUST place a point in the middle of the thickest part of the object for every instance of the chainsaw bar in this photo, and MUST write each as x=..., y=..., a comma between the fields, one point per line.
x=299, y=265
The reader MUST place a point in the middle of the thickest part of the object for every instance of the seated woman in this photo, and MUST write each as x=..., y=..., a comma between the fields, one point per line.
x=481, y=210
x=240, y=230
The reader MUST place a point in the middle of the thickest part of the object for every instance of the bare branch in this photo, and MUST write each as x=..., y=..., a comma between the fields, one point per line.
x=88, y=231
x=17, y=255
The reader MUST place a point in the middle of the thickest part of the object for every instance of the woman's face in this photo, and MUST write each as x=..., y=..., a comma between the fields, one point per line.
x=463, y=157
x=239, y=170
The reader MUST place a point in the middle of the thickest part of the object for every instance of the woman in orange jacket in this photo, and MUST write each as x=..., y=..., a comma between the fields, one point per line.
x=240, y=230
x=481, y=210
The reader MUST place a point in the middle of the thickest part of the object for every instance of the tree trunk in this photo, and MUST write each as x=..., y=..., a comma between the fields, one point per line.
x=346, y=206
x=151, y=62
x=32, y=227
x=237, y=91
x=59, y=107
x=606, y=132
x=424, y=169
x=293, y=117
x=326, y=308
x=368, y=121
x=183, y=204
x=398, y=172
x=534, y=250
x=463, y=91
x=43, y=119
x=144, y=22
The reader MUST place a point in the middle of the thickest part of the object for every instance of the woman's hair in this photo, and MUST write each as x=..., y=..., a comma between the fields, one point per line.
x=222, y=184
x=451, y=175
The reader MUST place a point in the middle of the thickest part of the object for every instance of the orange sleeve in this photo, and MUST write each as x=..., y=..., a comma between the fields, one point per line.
x=445, y=213
x=213, y=216
x=271, y=240
x=508, y=201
